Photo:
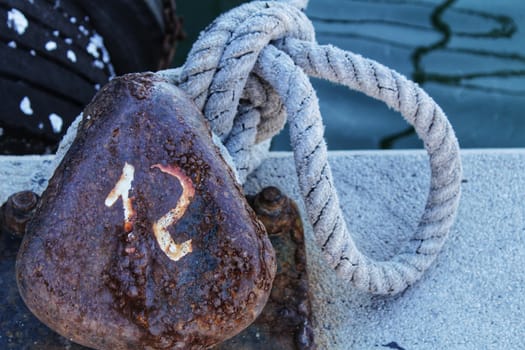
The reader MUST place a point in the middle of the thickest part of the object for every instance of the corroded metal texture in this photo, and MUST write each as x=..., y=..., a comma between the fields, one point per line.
x=16, y=212
x=142, y=238
x=285, y=322
x=19, y=329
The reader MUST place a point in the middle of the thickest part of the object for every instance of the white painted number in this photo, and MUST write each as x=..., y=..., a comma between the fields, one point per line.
x=172, y=250
x=122, y=189
x=160, y=227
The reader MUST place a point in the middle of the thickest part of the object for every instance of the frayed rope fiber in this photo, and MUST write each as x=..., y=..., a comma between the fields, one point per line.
x=248, y=73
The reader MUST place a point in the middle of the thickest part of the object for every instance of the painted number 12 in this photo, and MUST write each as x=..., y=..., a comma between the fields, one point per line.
x=122, y=188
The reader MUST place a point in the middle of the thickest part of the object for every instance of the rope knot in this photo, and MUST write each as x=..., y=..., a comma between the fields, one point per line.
x=243, y=109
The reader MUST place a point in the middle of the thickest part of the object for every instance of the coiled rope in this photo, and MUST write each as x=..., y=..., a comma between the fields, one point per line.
x=248, y=72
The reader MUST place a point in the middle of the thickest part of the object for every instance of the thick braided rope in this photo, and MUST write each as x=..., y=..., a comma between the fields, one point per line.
x=217, y=76
x=235, y=40
x=314, y=173
x=284, y=69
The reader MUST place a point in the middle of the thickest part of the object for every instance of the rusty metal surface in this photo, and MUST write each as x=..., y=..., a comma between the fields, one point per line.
x=285, y=322
x=143, y=238
x=19, y=328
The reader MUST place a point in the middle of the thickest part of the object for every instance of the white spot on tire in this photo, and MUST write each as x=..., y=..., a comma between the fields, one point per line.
x=12, y=44
x=83, y=30
x=17, y=21
x=71, y=56
x=25, y=106
x=98, y=64
x=56, y=122
x=92, y=49
x=97, y=42
x=51, y=45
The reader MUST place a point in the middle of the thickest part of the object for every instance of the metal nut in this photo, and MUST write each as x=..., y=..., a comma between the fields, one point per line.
x=17, y=211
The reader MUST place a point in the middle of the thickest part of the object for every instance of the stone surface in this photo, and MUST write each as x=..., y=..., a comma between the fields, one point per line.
x=142, y=237
x=471, y=298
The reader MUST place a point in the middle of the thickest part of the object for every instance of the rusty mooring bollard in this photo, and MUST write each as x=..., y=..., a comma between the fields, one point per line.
x=143, y=237
x=285, y=322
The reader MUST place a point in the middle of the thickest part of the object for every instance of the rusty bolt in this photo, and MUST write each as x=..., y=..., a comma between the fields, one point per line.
x=17, y=210
x=269, y=201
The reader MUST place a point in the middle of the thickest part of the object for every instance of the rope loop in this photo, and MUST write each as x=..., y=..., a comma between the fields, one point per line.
x=248, y=73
